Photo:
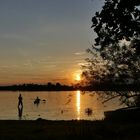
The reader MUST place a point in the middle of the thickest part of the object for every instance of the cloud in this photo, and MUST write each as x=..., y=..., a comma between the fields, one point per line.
x=12, y=36
x=4, y=67
x=79, y=53
x=54, y=62
x=50, y=66
x=82, y=64
x=61, y=80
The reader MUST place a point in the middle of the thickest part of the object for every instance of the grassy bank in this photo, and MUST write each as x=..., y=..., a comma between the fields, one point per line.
x=42, y=130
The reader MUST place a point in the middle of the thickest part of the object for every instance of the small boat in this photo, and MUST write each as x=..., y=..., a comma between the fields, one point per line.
x=37, y=101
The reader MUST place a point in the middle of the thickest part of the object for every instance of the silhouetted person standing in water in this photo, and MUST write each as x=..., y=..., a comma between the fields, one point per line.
x=20, y=103
x=20, y=106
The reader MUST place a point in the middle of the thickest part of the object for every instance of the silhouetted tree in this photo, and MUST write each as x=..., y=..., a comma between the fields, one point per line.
x=118, y=64
x=115, y=56
x=119, y=19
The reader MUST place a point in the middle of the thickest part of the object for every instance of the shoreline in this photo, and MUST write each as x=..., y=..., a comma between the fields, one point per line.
x=74, y=129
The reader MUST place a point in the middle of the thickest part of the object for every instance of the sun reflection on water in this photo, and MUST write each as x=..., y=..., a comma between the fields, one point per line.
x=78, y=104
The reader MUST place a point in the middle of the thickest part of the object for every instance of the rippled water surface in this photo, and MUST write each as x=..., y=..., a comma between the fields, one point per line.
x=63, y=105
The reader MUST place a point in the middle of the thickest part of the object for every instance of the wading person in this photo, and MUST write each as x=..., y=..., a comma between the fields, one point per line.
x=20, y=103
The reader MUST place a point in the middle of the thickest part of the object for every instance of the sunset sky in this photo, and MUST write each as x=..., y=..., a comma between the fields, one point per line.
x=44, y=40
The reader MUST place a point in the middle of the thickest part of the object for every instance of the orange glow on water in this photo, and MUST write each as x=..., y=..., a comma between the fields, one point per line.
x=78, y=104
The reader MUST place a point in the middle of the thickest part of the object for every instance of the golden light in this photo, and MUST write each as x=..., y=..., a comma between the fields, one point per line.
x=78, y=104
x=78, y=77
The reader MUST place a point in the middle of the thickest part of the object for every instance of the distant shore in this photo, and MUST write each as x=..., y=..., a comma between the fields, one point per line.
x=63, y=130
x=61, y=87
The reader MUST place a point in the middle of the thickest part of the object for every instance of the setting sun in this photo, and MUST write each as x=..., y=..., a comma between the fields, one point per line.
x=78, y=77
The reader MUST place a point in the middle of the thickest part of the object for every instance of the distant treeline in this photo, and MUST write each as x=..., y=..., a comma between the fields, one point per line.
x=38, y=87
x=59, y=87
x=111, y=87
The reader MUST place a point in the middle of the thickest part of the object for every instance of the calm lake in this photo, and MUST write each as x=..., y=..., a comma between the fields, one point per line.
x=63, y=105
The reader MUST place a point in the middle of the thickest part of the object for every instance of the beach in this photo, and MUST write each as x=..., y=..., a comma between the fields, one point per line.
x=44, y=129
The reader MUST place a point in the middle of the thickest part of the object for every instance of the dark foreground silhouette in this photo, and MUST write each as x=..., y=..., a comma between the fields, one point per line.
x=64, y=130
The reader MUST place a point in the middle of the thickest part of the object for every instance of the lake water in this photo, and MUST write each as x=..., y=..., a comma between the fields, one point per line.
x=63, y=105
